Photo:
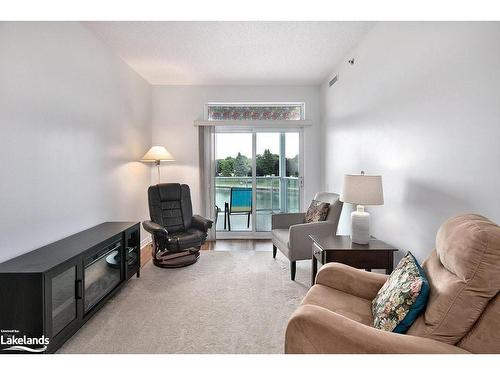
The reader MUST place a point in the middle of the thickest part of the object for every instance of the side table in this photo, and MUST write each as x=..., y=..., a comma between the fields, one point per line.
x=374, y=255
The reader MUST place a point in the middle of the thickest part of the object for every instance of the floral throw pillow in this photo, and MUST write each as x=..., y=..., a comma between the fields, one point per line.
x=402, y=298
x=317, y=211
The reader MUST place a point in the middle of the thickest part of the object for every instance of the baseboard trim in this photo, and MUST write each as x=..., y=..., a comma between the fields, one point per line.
x=242, y=236
x=145, y=241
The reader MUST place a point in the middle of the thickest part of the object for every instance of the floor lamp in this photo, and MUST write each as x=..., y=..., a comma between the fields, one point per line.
x=157, y=154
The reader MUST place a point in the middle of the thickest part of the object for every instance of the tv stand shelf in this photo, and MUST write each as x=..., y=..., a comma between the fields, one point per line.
x=49, y=293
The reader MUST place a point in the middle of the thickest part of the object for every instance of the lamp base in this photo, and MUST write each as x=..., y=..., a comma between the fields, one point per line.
x=360, y=226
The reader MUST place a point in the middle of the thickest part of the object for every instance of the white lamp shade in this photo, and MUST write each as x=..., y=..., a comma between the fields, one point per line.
x=156, y=153
x=362, y=189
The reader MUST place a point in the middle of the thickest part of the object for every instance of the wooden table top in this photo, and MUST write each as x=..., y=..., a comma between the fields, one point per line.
x=332, y=242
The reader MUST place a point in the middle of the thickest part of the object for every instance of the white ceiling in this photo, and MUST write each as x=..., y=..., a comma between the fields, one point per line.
x=232, y=53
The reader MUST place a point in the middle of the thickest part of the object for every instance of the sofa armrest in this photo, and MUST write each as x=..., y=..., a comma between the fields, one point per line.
x=316, y=330
x=154, y=228
x=300, y=243
x=284, y=221
x=201, y=223
x=351, y=280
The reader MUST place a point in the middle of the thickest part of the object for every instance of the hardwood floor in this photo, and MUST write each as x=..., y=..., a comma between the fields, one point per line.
x=236, y=245
x=145, y=254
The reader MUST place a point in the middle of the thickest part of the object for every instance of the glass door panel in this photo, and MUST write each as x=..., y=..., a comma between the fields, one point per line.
x=64, y=307
x=291, y=183
x=277, y=171
x=268, y=158
x=233, y=181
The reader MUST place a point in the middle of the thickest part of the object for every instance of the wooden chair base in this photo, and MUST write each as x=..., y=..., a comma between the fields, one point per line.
x=177, y=260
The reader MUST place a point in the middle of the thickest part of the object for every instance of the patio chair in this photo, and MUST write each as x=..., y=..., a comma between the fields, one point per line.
x=240, y=203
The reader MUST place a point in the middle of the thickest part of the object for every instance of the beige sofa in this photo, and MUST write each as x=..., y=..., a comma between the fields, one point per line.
x=462, y=314
x=291, y=234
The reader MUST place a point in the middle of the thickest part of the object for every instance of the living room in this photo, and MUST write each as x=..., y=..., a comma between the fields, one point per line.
x=276, y=185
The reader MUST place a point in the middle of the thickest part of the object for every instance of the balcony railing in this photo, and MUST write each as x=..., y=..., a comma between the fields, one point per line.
x=274, y=194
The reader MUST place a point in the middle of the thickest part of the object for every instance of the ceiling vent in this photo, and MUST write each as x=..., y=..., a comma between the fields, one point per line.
x=333, y=80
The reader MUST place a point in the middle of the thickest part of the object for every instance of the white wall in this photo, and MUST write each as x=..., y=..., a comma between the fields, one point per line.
x=176, y=107
x=421, y=106
x=73, y=121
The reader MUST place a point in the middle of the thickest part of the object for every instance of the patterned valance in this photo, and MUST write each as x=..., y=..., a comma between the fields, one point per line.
x=254, y=112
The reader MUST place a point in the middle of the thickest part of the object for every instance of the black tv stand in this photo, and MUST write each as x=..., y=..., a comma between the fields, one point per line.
x=46, y=295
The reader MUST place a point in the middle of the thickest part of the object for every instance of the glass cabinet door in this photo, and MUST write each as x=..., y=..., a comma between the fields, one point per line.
x=63, y=290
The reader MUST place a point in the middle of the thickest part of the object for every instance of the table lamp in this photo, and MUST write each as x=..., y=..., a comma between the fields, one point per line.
x=157, y=154
x=361, y=190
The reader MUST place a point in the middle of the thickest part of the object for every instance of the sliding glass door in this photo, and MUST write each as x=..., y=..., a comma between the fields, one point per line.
x=233, y=181
x=257, y=174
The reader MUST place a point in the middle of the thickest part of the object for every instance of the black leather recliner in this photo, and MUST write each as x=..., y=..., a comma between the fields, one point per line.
x=177, y=234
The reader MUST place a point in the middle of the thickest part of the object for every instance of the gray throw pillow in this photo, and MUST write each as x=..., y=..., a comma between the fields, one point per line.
x=317, y=211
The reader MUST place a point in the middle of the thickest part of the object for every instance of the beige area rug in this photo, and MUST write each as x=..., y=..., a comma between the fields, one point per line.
x=228, y=302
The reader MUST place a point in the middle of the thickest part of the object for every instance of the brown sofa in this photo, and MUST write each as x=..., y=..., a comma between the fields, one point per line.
x=462, y=314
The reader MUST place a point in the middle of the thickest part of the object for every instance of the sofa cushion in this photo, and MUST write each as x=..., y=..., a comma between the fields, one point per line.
x=317, y=211
x=402, y=297
x=352, y=307
x=464, y=275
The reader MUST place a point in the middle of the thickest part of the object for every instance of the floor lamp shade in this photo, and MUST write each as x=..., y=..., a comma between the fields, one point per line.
x=361, y=190
x=157, y=154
